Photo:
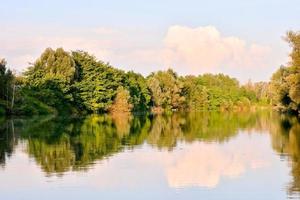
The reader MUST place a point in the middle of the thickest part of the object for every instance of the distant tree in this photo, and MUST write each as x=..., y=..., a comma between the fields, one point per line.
x=121, y=102
x=139, y=92
x=196, y=94
x=57, y=64
x=263, y=92
x=97, y=82
x=6, y=87
x=3, y=81
x=216, y=86
x=156, y=91
x=50, y=78
x=166, y=89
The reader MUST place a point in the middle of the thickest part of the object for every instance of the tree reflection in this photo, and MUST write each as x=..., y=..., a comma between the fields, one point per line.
x=285, y=135
x=62, y=144
x=8, y=139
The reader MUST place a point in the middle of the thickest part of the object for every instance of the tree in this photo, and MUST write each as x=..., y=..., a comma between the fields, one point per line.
x=139, y=92
x=7, y=87
x=97, y=82
x=262, y=92
x=216, y=85
x=52, y=64
x=285, y=82
x=166, y=89
x=196, y=94
x=121, y=102
x=49, y=80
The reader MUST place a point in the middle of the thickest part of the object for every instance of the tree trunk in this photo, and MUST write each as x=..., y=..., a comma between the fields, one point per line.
x=13, y=97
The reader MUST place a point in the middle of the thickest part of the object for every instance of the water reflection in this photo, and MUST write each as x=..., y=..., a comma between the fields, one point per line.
x=202, y=145
x=204, y=165
x=7, y=140
x=285, y=134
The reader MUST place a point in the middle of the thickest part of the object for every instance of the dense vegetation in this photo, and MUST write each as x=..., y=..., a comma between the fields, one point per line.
x=6, y=88
x=286, y=81
x=76, y=82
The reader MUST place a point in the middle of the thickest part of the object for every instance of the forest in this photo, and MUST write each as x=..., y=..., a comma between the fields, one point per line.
x=77, y=83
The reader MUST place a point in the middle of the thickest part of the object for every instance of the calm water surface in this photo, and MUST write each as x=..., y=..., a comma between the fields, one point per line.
x=180, y=156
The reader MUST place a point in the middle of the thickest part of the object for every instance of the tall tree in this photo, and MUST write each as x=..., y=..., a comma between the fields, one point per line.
x=6, y=87
x=50, y=78
x=52, y=64
x=139, y=92
x=97, y=82
x=286, y=81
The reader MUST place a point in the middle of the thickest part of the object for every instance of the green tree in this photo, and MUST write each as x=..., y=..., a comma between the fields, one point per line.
x=6, y=88
x=215, y=87
x=285, y=82
x=57, y=64
x=196, y=94
x=139, y=93
x=97, y=82
x=49, y=82
x=166, y=89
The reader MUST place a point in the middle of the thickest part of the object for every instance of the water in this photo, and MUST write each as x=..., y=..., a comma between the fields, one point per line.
x=181, y=156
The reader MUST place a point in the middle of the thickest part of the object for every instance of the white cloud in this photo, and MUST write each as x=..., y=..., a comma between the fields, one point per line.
x=204, y=49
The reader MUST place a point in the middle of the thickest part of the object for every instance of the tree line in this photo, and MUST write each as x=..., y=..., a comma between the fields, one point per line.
x=76, y=82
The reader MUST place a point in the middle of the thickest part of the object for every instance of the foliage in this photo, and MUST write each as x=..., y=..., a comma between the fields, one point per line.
x=285, y=82
x=261, y=91
x=140, y=96
x=6, y=87
x=166, y=90
x=76, y=82
x=206, y=92
x=195, y=93
x=57, y=64
x=121, y=102
x=97, y=83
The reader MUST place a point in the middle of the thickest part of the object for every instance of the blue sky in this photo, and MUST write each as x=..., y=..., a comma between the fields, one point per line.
x=148, y=35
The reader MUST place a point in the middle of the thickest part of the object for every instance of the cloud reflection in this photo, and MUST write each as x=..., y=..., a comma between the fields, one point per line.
x=198, y=164
x=205, y=164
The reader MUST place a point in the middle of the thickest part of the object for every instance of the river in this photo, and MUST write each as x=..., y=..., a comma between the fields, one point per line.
x=208, y=155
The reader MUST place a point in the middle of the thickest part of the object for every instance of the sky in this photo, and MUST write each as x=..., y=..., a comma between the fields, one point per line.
x=243, y=39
